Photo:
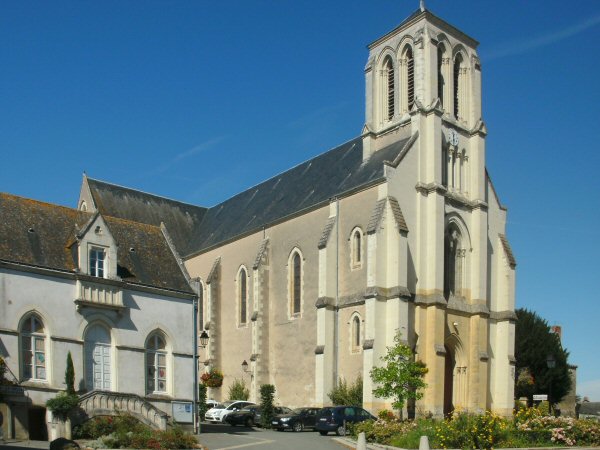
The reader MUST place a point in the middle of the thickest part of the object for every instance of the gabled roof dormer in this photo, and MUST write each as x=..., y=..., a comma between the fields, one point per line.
x=97, y=249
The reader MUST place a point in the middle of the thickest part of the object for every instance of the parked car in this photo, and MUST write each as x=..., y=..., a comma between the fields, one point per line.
x=209, y=404
x=297, y=420
x=251, y=415
x=335, y=418
x=221, y=410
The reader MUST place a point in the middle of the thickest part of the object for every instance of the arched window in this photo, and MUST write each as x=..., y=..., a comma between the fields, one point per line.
x=356, y=248
x=410, y=78
x=389, y=88
x=355, y=334
x=459, y=78
x=441, y=75
x=454, y=256
x=243, y=295
x=295, y=284
x=33, y=348
x=98, y=370
x=156, y=364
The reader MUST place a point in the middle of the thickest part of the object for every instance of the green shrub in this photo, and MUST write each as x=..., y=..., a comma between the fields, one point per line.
x=70, y=375
x=267, y=394
x=202, y=406
x=62, y=404
x=238, y=390
x=105, y=425
x=345, y=394
x=125, y=431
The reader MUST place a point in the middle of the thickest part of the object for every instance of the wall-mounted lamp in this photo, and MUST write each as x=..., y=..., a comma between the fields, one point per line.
x=455, y=324
x=245, y=366
x=204, y=339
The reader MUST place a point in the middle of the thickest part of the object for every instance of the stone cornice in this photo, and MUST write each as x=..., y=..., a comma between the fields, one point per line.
x=368, y=344
x=427, y=300
x=428, y=188
x=137, y=287
x=460, y=305
x=503, y=316
x=380, y=293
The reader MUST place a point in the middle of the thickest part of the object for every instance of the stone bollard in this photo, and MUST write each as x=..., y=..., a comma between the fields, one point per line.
x=361, y=443
x=424, y=443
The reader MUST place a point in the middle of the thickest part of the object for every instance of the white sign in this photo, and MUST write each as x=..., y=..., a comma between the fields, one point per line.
x=182, y=412
x=540, y=397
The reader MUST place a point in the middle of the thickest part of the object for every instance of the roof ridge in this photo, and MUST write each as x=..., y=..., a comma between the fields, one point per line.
x=42, y=203
x=146, y=193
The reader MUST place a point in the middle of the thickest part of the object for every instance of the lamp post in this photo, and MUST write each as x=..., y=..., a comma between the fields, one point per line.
x=203, y=338
x=551, y=363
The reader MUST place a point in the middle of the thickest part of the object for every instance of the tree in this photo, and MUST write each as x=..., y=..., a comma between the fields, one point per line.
x=70, y=375
x=534, y=342
x=238, y=390
x=347, y=394
x=401, y=378
x=267, y=394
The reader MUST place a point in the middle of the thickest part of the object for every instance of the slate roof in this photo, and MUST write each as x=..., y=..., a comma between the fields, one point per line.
x=314, y=182
x=40, y=234
x=195, y=229
x=181, y=219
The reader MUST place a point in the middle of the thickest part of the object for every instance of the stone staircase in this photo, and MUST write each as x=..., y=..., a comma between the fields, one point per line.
x=106, y=403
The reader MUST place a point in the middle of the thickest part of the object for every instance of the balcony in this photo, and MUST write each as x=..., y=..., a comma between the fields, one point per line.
x=98, y=295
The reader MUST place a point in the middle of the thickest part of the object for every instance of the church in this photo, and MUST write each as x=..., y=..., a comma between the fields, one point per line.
x=307, y=277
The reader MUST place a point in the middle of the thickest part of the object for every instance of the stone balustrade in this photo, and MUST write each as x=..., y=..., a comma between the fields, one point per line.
x=106, y=403
x=97, y=294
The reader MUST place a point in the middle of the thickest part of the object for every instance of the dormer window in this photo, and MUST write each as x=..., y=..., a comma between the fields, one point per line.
x=97, y=257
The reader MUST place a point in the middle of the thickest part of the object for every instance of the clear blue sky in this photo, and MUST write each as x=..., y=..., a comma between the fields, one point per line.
x=199, y=100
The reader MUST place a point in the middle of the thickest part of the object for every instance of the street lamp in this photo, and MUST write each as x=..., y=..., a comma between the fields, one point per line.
x=204, y=339
x=551, y=363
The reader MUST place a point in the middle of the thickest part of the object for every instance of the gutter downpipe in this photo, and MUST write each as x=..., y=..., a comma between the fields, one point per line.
x=195, y=377
x=337, y=294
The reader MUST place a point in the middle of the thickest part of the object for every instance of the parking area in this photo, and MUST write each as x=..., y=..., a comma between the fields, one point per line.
x=226, y=437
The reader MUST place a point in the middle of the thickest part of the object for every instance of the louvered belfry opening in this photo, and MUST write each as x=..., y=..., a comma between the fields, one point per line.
x=457, y=67
x=390, y=89
x=410, y=66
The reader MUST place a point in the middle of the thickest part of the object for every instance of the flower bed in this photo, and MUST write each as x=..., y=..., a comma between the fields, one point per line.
x=529, y=427
x=124, y=431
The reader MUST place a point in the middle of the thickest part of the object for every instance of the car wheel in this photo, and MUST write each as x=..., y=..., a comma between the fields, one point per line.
x=298, y=426
x=323, y=433
x=249, y=422
x=232, y=424
x=341, y=430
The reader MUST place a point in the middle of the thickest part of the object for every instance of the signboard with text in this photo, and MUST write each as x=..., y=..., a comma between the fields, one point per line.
x=182, y=412
x=540, y=397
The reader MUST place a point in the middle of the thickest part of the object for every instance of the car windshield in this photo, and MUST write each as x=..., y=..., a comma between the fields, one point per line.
x=298, y=410
x=223, y=405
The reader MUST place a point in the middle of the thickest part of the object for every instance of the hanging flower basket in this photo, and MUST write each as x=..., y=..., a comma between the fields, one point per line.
x=213, y=378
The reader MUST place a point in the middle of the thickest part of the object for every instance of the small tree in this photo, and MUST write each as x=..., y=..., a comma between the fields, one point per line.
x=347, y=394
x=202, y=407
x=267, y=394
x=70, y=375
x=238, y=390
x=401, y=378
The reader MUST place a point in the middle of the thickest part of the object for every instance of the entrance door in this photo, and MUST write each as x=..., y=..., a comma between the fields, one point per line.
x=448, y=382
x=97, y=358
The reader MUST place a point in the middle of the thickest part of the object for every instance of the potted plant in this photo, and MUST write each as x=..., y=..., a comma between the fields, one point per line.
x=213, y=378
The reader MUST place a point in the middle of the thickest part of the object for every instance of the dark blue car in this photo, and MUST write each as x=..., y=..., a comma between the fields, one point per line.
x=335, y=418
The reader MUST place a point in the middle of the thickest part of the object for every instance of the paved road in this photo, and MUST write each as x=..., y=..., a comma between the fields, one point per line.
x=226, y=437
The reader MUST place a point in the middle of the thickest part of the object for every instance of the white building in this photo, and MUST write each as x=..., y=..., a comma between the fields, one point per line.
x=111, y=292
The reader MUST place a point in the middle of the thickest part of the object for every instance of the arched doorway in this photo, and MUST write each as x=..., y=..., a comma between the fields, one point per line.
x=449, y=364
x=455, y=375
x=98, y=358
